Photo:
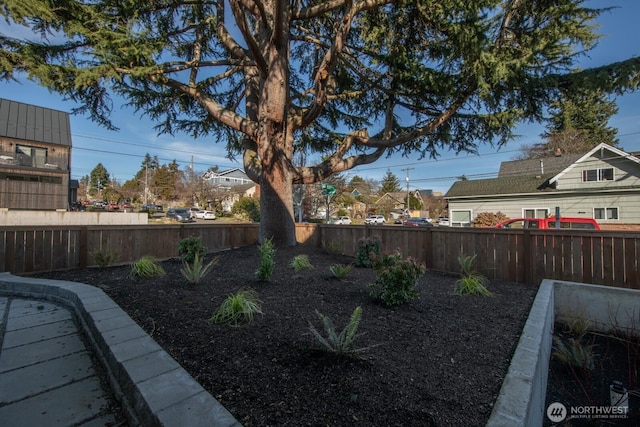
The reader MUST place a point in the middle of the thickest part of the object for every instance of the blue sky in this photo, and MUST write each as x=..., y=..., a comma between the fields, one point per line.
x=122, y=152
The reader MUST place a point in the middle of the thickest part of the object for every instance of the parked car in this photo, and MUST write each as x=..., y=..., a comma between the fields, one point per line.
x=199, y=214
x=113, y=207
x=208, y=215
x=443, y=221
x=344, y=220
x=180, y=214
x=549, y=223
x=417, y=222
x=374, y=219
x=127, y=205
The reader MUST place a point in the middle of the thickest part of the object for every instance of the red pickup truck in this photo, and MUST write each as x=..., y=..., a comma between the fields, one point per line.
x=549, y=223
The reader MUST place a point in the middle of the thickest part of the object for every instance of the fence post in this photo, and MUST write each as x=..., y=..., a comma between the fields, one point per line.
x=83, y=256
x=527, y=258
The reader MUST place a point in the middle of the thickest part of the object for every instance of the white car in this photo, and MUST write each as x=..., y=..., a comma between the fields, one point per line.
x=345, y=220
x=199, y=214
x=374, y=219
x=443, y=221
x=208, y=215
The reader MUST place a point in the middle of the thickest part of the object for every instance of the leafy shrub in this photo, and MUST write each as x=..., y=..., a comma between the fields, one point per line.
x=471, y=282
x=333, y=247
x=146, y=267
x=368, y=249
x=191, y=247
x=104, y=258
x=247, y=208
x=489, y=219
x=197, y=271
x=396, y=279
x=339, y=344
x=267, y=260
x=300, y=262
x=340, y=270
x=238, y=309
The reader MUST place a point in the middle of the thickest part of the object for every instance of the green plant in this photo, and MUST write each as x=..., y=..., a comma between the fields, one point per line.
x=146, y=267
x=104, y=258
x=471, y=282
x=238, y=309
x=333, y=247
x=267, y=260
x=340, y=270
x=368, y=249
x=191, y=247
x=396, y=279
x=247, y=208
x=300, y=262
x=339, y=343
x=197, y=271
x=574, y=353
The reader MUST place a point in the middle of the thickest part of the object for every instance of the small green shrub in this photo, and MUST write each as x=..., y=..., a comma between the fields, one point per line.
x=368, y=249
x=333, y=247
x=340, y=271
x=339, y=344
x=195, y=272
x=300, y=262
x=189, y=247
x=146, y=267
x=471, y=282
x=267, y=260
x=396, y=279
x=104, y=258
x=238, y=309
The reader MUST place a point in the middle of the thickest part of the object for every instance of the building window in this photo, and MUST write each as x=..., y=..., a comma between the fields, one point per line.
x=605, y=213
x=460, y=219
x=31, y=178
x=591, y=175
x=535, y=213
x=31, y=156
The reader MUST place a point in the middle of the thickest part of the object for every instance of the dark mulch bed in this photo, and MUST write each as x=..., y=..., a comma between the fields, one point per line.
x=439, y=360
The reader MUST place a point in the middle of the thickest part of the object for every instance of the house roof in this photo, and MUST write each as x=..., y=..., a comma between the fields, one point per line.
x=547, y=165
x=494, y=186
x=396, y=196
x=32, y=123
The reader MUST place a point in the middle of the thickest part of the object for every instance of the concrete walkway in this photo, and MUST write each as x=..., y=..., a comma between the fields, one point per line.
x=55, y=336
x=47, y=375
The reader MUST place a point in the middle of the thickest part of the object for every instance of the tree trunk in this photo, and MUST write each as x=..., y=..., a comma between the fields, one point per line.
x=276, y=204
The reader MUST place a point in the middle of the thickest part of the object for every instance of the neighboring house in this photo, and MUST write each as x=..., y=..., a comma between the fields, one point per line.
x=35, y=157
x=603, y=184
x=234, y=194
x=228, y=178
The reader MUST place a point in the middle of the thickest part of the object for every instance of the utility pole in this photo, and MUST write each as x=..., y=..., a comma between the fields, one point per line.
x=407, y=206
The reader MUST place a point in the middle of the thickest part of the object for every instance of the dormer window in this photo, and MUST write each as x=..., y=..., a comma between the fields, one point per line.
x=594, y=175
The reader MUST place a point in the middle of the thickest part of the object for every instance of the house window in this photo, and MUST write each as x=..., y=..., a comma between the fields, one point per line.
x=460, y=218
x=605, y=213
x=535, y=213
x=604, y=174
x=31, y=156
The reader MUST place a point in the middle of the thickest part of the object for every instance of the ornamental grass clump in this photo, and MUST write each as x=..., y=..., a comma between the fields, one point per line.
x=300, y=262
x=146, y=267
x=196, y=271
x=396, y=279
x=238, y=309
x=267, y=260
x=191, y=247
x=340, y=344
x=340, y=271
x=471, y=282
x=104, y=258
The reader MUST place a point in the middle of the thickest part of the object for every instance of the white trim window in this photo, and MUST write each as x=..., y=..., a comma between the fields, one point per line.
x=535, y=213
x=461, y=218
x=606, y=213
x=596, y=175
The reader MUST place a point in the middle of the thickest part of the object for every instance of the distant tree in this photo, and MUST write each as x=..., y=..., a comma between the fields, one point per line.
x=99, y=180
x=390, y=183
x=579, y=122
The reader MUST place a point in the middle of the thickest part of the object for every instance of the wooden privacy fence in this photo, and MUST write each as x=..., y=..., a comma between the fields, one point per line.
x=597, y=257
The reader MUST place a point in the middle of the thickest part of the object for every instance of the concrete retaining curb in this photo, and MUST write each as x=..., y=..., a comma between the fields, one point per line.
x=152, y=387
